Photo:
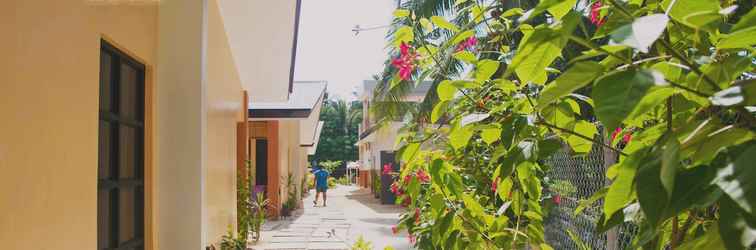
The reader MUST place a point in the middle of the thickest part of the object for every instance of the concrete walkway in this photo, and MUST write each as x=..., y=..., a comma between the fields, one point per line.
x=351, y=212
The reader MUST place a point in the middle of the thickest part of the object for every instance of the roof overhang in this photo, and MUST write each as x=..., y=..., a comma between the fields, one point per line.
x=303, y=104
x=313, y=146
x=262, y=36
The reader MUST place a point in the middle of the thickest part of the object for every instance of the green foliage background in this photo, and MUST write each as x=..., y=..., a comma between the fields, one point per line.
x=340, y=131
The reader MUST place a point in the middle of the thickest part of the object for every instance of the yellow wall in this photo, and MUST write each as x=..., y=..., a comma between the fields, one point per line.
x=224, y=109
x=49, y=88
x=293, y=156
x=49, y=104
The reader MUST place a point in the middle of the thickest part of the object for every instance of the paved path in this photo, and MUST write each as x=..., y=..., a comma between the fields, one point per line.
x=351, y=212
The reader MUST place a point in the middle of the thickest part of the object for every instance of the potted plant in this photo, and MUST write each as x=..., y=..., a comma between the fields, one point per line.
x=258, y=206
x=291, y=201
x=285, y=210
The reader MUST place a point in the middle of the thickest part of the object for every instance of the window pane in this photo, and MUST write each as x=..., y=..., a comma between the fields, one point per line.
x=103, y=161
x=128, y=89
x=103, y=219
x=126, y=152
x=126, y=215
x=105, y=88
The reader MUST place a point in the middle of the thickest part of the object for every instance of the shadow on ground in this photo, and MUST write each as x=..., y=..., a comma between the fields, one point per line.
x=364, y=197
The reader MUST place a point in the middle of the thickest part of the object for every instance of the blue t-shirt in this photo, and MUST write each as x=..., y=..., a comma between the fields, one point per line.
x=321, y=178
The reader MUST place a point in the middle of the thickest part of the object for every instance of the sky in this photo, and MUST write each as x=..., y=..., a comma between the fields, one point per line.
x=328, y=49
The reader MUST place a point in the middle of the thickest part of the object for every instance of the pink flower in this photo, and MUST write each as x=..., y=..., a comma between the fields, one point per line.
x=495, y=184
x=407, y=179
x=395, y=188
x=417, y=215
x=557, y=199
x=404, y=49
x=405, y=63
x=387, y=168
x=616, y=132
x=627, y=137
x=468, y=43
x=412, y=239
x=596, y=14
x=422, y=176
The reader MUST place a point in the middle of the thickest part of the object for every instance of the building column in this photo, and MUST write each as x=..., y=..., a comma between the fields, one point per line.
x=181, y=125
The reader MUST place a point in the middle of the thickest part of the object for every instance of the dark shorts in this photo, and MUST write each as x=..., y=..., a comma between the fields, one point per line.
x=321, y=189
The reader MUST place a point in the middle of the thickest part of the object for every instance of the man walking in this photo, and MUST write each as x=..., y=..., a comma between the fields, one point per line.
x=321, y=185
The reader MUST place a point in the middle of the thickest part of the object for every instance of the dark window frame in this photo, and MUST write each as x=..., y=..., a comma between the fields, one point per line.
x=114, y=184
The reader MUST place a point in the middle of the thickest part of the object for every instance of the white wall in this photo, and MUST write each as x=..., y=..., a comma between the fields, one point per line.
x=261, y=35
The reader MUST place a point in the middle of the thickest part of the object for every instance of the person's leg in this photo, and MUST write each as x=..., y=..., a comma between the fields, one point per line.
x=317, y=195
x=324, y=197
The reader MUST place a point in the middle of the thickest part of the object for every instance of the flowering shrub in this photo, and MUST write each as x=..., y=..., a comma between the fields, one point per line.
x=514, y=83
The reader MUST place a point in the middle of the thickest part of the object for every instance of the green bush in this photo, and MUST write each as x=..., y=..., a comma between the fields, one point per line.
x=515, y=81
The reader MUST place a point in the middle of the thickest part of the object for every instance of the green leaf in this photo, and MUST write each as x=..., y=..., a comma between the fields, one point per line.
x=401, y=13
x=527, y=178
x=710, y=240
x=697, y=14
x=722, y=71
x=403, y=34
x=617, y=94
x=655, y=97
x=621, y=191
x=512, y=12
x=395, y=80
x=745, y=38
x=561, y=9
x=735, y=227
x=574, y=78
x=446, y=90
x=537, y=52
x=490, y=135
x=427, y=25
x=580, y=145
x=476, y=12
x=693, y=188
x=442, y=23
x=560, y=115
x=541, y=7
x=704, y=145
x=504, y=188
x=669, y=165
x=746, y=21
x=652, y=195
x=462, y=36
x=736, y=179
x=472, y=205
x=460, y=136
x=409, y=152
x=465, y=56
x=506, y=85
x=439, y=110
x=642, y=32
x=485, y=69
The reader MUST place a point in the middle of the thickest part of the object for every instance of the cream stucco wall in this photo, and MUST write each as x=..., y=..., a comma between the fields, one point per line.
x=181, y=125
x=49, y=87
x=225, y=98
x=293, y=157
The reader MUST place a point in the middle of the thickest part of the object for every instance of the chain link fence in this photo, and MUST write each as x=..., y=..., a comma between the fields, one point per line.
x=574, y=178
